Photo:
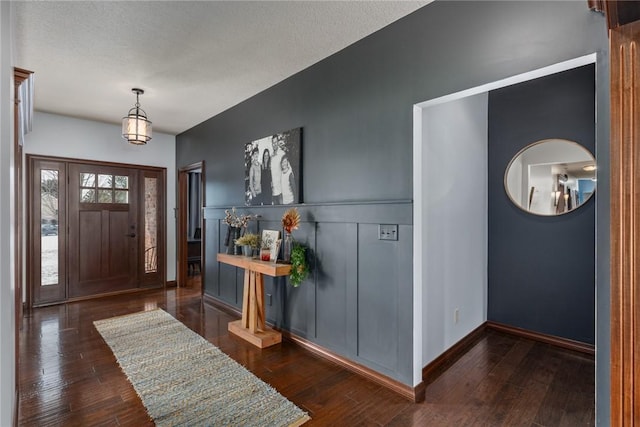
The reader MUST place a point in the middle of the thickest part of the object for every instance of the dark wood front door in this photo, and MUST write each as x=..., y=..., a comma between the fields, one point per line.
x=95, y=228
x=103, y=229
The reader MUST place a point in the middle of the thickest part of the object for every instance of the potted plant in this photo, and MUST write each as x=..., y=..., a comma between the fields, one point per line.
x=299, y=266
x=249, y=242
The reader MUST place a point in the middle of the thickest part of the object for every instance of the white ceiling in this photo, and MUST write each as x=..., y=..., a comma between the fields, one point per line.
x=194, y=59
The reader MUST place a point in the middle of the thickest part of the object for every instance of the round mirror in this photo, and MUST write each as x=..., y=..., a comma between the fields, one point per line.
x=551, y=177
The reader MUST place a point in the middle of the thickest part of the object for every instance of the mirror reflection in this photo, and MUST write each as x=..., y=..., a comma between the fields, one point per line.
x=551, y=177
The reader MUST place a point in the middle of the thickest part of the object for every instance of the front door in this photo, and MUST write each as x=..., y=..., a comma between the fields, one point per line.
x=103, y=230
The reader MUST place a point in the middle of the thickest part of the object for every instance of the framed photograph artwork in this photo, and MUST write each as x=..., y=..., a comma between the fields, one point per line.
x=271, y=240
x=272, y=169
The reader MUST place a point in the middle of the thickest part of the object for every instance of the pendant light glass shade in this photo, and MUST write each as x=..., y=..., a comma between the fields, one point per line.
x=136, y=128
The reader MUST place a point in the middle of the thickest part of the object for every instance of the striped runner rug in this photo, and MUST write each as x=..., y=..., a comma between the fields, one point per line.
x=184, y=380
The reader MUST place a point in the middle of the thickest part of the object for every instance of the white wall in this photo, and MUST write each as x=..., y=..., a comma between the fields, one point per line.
x=7, y=289
x=454, y=222
x=541, y=179
x=62, y=136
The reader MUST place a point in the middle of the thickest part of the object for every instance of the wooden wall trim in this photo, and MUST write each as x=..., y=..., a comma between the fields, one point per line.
x=414, y=394
x=95, y=162
x=625, y=224
x=382, y=212
x=98, y=296
x=19, y=76
x=441, y=363
x=181, y=229
x=221, y=305
x=549, y=339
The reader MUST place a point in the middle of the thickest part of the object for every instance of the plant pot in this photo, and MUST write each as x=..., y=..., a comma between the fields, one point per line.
x=247, y=250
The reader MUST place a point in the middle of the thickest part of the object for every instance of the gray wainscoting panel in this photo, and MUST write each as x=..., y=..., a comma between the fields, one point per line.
x=227, y=277
x=212, y=245
x=357, y=301
x=405, y=302
x=296, y=312
x=331, y=291
x=378, y=305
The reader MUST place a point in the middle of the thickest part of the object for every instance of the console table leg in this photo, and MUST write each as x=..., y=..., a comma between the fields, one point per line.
x=245, y=300
x=253, y=303
x=260, y=300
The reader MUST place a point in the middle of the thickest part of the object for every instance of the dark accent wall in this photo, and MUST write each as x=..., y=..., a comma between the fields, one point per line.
x=541, y=269
x=355, y=109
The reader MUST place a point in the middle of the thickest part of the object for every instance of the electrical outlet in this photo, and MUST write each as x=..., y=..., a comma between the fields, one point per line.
x=268, y=298
x=456, y=316
x=388, y=232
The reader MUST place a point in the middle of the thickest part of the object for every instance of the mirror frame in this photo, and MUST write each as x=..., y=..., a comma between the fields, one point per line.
x=533, y=144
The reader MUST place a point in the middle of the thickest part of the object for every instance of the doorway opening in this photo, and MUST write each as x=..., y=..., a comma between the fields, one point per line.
x=190, y=226
x=424, y=196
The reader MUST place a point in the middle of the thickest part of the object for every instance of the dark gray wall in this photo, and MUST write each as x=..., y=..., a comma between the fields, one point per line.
x=541, y=269
x=356, y=111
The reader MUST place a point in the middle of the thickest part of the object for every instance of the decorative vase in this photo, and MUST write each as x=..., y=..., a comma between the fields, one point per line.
x=265, y=254
x=247, y=250
x=287, y=244
x=233, y=233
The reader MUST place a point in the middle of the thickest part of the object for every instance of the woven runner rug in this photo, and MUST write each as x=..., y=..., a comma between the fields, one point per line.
x=184, y=380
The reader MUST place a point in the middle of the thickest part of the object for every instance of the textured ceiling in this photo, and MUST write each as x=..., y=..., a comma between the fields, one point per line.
x=193, y=59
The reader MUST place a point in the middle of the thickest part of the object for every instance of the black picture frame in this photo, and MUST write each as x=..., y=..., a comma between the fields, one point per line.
x=279, y=181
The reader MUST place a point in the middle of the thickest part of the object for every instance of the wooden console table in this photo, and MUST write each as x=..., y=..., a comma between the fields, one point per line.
x=252, y=327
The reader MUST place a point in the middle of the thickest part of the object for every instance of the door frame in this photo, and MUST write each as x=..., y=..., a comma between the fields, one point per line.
x=19, y=76
x=181, y=229
x=625, y=233
x=31, y=234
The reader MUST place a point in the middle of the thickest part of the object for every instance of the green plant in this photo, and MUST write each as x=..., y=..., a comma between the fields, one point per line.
x=299, y=267
x=248, y=239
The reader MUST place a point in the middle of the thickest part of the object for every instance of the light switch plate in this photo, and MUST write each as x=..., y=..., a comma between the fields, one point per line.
x=388, y=232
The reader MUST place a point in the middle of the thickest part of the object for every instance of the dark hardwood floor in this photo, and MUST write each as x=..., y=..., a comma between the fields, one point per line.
x=68, y=376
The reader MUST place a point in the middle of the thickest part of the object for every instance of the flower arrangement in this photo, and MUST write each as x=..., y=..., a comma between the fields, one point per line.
x=248, y=239
x=232, y=219
x=290, y=220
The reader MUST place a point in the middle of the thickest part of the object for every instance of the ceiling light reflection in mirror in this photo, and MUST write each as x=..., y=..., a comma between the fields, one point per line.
x=551, y=177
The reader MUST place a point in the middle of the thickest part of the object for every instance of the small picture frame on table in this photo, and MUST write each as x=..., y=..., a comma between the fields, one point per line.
x=271, y=239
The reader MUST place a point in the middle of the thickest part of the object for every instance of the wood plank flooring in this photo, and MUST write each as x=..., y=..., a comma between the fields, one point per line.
x=68, y=375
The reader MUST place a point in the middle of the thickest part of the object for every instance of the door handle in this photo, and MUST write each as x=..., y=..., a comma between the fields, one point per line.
x=131, y=234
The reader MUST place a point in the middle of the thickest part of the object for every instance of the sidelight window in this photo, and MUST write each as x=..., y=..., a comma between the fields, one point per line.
x=49, y=227
x=151, y=224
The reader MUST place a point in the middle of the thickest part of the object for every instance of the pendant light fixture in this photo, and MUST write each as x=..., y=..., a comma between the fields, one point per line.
x=136, y=128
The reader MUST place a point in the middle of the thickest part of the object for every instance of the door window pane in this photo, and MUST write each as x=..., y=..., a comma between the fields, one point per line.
x=105, y=181
x=49, y=227
x=105, y=196
x=87, y=180
x=87, y=196
x=122, y=181
x=122, y=196
x=150, y=225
